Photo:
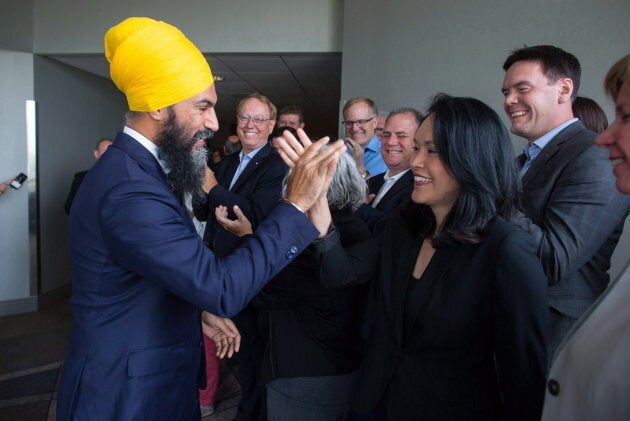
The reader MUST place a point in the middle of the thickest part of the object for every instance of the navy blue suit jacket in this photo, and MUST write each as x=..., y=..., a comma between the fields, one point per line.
x=140, y=276
x=256, y=192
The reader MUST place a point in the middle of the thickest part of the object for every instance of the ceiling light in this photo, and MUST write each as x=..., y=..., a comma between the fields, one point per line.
x=219, y=78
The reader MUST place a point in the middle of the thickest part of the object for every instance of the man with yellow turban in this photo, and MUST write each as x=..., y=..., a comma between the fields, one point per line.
x=141, y=275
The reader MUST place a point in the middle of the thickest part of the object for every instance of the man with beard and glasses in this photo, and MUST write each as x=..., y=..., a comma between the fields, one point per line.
x=141, y=275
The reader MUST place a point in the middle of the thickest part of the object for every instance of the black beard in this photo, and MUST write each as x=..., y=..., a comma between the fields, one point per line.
x=186, y=168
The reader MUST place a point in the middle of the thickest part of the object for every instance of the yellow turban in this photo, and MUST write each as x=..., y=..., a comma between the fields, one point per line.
x=154, y=64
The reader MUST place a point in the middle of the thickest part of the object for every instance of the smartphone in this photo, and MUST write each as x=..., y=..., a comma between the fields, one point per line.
x=19, y=180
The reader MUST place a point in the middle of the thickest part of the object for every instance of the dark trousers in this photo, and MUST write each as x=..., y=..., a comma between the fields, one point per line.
x=325, y=398
x=253, y=404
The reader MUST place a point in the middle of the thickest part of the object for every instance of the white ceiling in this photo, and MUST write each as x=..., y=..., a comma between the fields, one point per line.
x=310, y=80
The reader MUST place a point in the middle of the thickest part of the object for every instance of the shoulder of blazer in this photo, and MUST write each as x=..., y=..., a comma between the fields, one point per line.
x=406, y=180
x=267, y=156
x=562, y=149
x=140, y=154
x=573, y=136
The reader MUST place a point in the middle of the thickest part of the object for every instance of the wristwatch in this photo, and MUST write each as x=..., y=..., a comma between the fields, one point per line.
x=365, y=175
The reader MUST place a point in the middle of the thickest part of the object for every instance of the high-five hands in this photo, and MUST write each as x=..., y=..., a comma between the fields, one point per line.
x=312, y=167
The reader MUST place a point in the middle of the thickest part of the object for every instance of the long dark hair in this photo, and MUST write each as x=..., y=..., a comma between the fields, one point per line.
x=476, y=148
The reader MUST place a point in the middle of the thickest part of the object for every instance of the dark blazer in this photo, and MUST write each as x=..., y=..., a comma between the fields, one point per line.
x=398, y=194
x=313, y=330
x=256, y=192
x=466, y=341
x=76, y=182
x=140, y=276
x=569, y=192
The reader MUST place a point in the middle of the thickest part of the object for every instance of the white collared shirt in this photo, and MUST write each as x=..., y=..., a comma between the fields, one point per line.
x=149, y=145
x=389, y=182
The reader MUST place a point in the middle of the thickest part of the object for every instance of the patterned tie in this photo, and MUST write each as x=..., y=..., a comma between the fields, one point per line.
x=531, y=151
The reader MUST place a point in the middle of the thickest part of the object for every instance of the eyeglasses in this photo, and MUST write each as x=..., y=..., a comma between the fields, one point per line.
x=360, y=123
x=257, y=120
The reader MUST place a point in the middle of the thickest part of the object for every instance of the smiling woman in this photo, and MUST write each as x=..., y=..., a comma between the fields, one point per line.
x=460, y=299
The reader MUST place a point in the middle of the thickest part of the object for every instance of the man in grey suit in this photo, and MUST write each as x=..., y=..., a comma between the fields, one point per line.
x=568, y=189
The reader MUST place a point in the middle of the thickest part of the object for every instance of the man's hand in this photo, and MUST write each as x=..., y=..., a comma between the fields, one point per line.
x=223, y=333
x=312, y=167
x=239, y=227
x=357, y=152
x=209, y=181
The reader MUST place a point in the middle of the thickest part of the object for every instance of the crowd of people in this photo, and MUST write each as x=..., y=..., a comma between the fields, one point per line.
x=413, y=270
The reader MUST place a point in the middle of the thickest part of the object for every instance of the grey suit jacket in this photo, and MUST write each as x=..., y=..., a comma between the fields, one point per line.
x=569, y=193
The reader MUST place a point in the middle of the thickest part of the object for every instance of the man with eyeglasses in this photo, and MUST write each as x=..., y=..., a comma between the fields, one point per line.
x=359, y=120
x=380, y=124
x=252, y=180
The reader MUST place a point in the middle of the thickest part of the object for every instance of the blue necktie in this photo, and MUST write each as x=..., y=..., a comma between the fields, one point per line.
x=531, y=151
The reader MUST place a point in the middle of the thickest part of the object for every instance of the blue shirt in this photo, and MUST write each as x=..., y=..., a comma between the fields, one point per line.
x=542, y=141
x=372, y=159
x=244, y=160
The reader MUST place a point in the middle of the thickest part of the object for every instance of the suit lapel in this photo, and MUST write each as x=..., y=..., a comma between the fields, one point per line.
x=258, y=159
x=549, y=151
x=437, y=269
x=150, y=165
x=141, y=155
x=226, y=172
x=375, y=183
x=402, y=262
x=402, y=183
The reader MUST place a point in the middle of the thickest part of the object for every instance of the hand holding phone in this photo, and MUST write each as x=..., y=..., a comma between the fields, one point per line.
x=18, y=180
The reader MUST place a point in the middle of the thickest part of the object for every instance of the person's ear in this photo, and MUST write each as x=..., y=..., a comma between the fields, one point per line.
x=159, y=115
x=565, y=90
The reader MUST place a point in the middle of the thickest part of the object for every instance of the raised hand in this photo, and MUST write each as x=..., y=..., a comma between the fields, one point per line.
x=312, y=166
x=209, y=180
x=357, y=152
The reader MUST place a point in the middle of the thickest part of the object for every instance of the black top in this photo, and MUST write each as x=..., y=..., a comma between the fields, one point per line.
x=313, y=330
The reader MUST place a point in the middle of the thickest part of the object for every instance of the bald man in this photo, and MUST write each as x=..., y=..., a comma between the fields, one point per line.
x=140, y=273
x=99, y=149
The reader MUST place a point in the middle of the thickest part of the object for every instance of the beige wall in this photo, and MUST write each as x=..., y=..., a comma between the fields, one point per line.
x=401, y=53
x=75, y=26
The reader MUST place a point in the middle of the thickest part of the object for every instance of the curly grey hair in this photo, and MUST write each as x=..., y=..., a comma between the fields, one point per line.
x=347, y=188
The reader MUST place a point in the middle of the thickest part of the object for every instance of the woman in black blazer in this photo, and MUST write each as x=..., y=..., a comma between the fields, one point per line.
x=460, y=313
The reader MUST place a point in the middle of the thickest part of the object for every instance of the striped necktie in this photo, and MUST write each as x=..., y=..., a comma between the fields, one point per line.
x=531, y=151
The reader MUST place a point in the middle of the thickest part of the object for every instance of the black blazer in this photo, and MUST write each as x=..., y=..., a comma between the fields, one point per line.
x=256, y=192
x=398, y=194
x=313, y=330
x=467, y=342
x=76, y=182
